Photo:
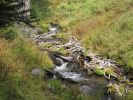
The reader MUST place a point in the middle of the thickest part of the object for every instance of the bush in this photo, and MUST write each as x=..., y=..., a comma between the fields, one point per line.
x=40, y=9
x=17, y=59
x=8, y=33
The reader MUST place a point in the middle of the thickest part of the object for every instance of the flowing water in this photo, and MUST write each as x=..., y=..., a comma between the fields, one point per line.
x=69, y=70
x=88, y=85
x=66, y=72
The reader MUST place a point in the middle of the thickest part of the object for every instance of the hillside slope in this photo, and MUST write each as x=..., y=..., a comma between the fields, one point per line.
x=104, y=26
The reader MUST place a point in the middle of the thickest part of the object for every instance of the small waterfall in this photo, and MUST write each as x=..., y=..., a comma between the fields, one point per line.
x=73, y=75
x=61, y=68
x=66, y=71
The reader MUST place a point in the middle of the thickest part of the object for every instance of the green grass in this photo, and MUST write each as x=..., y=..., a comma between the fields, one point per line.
x=98, y=71
x=103, y=26
x=115, y=39
x=17, y=58
x=66, y=92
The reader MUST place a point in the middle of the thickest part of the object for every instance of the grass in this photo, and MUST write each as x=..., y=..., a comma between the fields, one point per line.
x=47, y=45
x=114, y=40
x=103, y=26
x=63, y=51
x=17, y=58
x=64, y=92
x=63, y=36
x=98, y=71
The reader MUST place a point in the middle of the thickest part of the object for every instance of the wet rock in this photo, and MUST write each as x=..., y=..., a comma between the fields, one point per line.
x=57, y=62
x=48, y=74
x=67, y=59
x=54, y=56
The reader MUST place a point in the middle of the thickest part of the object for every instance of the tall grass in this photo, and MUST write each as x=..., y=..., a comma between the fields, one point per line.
x=114, y=39
x=104, y=26
x=17, y=59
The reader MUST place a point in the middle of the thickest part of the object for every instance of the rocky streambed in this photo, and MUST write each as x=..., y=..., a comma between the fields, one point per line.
x=91, y=73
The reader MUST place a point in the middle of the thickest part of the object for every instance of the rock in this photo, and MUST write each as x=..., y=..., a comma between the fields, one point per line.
x=89, y=72
x=37, y=72
x=53, y=56
x=67, y=59
x=86, y=89
x=48, y=74
x=57, y=62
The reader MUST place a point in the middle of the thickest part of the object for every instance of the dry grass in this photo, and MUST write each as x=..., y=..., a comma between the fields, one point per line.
x=55, y=2
x=90, y=25
x=20, y=56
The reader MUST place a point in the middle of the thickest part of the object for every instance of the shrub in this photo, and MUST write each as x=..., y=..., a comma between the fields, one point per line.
x=8, y=33
x=17, y=59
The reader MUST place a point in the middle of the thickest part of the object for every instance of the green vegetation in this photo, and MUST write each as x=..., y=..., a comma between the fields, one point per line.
x=63, y=51
x=47, y=45
x=63, y=35
x=17, y=59
x=8, y=33
x=104, y=26
x=64, y=92
x=41, y=9
x=98, y=71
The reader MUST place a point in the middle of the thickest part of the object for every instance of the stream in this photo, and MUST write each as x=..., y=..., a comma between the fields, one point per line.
x=92, y=85
x=77, y=68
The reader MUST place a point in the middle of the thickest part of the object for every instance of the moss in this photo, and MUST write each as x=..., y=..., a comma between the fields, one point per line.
x=47, y=45
x=63, y=51
x=43, y=25
x=99, y=71
x=63, y=36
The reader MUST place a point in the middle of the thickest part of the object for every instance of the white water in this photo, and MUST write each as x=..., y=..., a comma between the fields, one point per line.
x=61, y=68
x=66, y=72
x=73, y=75
x=53, y=29
x=60, y=60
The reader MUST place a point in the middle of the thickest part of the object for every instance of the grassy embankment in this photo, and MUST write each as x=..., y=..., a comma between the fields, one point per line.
x=104, y=26
x=17, y=58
